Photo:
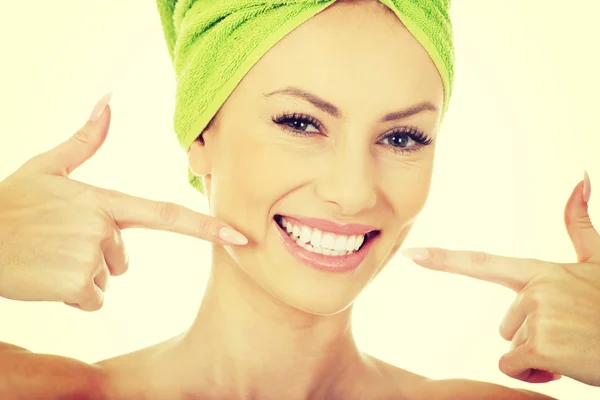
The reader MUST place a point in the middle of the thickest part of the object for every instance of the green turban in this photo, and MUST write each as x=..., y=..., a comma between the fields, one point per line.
x=214, y=43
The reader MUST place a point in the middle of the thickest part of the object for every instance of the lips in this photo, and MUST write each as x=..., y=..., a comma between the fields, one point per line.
x=368, y=234
x=323, y=262
x=330, y=226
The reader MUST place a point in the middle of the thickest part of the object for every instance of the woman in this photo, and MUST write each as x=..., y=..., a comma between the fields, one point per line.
x=273, y=323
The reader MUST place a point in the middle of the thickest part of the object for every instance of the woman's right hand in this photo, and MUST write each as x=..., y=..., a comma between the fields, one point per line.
x=60, y=239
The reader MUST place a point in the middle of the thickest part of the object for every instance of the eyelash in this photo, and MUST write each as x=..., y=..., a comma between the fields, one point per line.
x=413, y=133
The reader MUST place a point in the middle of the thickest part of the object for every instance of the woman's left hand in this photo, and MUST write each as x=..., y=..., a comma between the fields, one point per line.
x=554, y=321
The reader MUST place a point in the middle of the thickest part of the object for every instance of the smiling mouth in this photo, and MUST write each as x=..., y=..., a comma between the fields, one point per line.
x=325, y=242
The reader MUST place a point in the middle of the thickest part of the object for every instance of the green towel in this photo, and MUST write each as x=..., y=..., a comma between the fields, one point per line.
x=214, y=43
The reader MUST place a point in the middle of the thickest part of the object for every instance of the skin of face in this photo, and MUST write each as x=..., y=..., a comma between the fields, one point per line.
x=359, y=57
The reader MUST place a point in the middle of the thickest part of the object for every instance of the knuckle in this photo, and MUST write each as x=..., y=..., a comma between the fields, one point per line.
x=167, y=212
x=91, y=195
x=205, y=227
x=530, y=349
x=82, y=288
x=97, y=230
x=82, y=136
x=94, y=305
x=579, y=221
x=532, y=299
x=106, y=232
x=535, y=346
x=440, y=258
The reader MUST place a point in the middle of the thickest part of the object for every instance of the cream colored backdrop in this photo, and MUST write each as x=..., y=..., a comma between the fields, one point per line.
x=521, y=129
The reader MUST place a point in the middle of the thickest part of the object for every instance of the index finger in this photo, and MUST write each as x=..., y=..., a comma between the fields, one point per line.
x=513, y=273
x=135, y=212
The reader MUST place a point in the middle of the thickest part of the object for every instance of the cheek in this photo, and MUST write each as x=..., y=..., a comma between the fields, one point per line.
x=407, y=189
x=258, y=164
x=249, y=175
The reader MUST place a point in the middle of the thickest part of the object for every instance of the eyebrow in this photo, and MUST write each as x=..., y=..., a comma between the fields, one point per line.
x=334, y=111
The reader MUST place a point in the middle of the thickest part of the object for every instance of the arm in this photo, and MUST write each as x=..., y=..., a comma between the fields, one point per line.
x=534, y=395
x=25, y=375
x=464, y=389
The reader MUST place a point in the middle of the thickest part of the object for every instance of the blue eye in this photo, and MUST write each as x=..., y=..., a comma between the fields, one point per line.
x=406, y=135
x=296, y=123
x=402, y=140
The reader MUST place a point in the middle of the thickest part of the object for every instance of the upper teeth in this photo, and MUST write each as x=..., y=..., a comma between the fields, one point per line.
x=321, y=239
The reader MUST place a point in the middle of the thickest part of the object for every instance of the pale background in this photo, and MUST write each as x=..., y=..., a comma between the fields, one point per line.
x=522, y=128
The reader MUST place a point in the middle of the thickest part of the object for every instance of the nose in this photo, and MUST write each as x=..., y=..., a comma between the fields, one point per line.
x=348, y=180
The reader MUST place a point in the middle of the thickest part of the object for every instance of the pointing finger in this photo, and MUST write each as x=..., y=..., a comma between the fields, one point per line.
x=513, y=273
x=134, y=212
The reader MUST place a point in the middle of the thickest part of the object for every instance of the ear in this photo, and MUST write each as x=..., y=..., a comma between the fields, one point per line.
x=199, y=158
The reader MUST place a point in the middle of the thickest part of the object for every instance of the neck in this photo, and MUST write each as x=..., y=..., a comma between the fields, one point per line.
x=246, y=344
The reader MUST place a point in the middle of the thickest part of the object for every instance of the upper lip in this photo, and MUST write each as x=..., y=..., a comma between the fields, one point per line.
x=331, y=226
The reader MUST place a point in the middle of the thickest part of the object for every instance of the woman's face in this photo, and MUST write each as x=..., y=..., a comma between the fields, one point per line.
x=329, y=154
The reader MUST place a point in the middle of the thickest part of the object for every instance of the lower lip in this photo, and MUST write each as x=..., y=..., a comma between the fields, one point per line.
x=345, y=263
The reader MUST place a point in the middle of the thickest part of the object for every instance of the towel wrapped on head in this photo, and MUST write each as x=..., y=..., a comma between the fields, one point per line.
x=214, y=43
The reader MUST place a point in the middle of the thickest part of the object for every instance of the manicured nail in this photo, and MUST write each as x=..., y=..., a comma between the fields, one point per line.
x=232, y=236
x=416, y=253
x=100, y=107
x=556, y=377
x=587, y=187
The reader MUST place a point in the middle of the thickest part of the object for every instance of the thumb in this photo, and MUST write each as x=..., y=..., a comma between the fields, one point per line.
x=67, y=156
x=584, y=237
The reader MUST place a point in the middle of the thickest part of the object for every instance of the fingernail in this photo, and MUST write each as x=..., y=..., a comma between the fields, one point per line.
x=107, y=285
x=232, y=236
x=100, y=107
x=416, y=253
x=587, y=187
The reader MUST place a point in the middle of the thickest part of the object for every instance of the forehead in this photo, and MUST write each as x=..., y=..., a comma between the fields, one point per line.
x=350, y=50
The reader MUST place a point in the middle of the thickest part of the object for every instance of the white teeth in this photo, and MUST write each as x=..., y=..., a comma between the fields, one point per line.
x=320, y=242
x=340, y=244
x=328, y=240
x=305, y=234
x=359, y=241
x=316, y=238
x=296, y=231
x=350, y=246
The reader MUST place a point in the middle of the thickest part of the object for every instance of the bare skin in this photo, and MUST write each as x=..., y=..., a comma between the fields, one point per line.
x=129, y=377
x=269, y=327
x=376, y=380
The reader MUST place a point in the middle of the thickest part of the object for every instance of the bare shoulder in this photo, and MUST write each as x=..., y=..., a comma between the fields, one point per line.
x=25, y=374
x=411, y=386
x=465, y=389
